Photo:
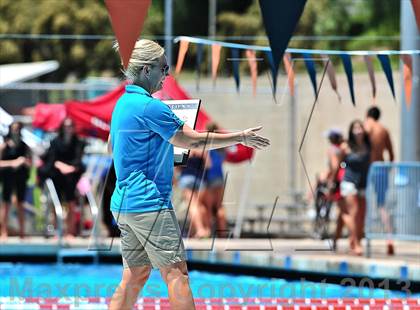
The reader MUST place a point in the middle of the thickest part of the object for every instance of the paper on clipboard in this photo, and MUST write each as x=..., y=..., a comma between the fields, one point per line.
x=186, y=110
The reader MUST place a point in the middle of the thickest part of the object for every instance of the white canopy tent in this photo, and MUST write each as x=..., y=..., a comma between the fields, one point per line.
x=13, y=73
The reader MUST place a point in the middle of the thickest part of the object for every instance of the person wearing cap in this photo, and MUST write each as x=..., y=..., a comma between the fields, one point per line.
x=143, y=133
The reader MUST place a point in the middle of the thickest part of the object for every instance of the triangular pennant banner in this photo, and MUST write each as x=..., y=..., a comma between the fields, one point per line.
x=371, y=72
x=416, y=9
x=310, y=66
x=127, y=18
x=280, y=21
x=273, y=70
x=386, y=66
x=408, y=77
x=332, y=76
x=253, y=68
x=235, y=66
x=215, y=59
x=199, y=60
x=183, y=48
x=288, y=67
x=348, y=68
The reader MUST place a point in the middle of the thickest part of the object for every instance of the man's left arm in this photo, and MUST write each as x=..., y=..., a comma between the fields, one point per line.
x=389, y=147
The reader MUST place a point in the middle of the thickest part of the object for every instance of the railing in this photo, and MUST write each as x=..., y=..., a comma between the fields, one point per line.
x=57, y=208
x=393, y=202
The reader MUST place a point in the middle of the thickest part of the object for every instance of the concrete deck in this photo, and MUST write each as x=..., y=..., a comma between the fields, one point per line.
x=294, y=254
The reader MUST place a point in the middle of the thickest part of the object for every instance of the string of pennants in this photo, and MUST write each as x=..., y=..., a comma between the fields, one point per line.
x=406, y=57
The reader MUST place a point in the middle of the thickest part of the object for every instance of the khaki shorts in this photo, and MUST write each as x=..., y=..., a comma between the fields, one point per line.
x=150, y=238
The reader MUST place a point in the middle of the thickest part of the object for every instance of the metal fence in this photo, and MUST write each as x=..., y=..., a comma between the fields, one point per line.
x=393, y=201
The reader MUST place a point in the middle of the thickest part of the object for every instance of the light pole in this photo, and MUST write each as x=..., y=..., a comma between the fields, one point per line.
x=168, y=30
x=410, y=118
x=212, y=27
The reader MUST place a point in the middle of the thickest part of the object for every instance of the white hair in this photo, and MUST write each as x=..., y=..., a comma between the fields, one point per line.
x=145, y=52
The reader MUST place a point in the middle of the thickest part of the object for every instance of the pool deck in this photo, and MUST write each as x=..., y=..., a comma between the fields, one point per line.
x=290, y=254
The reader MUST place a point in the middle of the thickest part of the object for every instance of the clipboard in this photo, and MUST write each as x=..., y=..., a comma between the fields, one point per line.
x=186, y=110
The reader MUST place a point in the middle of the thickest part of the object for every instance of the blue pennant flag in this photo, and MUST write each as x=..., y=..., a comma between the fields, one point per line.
x=235, y=66
x=273, y=70
x=346, y=59
x=386, y=66
x=310, y=66
x=280, y=19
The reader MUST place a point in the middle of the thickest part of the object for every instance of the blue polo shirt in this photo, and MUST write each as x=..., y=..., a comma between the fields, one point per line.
x=141, y=127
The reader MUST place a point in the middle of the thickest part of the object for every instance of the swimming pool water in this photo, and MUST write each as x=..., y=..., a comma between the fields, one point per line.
x=55, y=280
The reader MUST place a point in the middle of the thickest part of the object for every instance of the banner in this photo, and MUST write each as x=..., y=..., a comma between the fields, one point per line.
x=235, y=66
x=253, y=68
x=386, y=66
x=127, y=19
x=332, y=76
x=416, y=9
x=346, y=59
x=344, y=55
x=371, y=72
x=215, y=59
x=408, y=77
x=288, y=67
x=280, y=20
x=310, y=67
x=273, y=70
x=183, y=48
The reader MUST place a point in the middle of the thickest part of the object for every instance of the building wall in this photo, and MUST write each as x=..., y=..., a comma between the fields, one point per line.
x=270, y=172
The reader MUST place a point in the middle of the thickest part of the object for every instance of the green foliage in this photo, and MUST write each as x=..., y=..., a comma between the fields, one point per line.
x=74, y=17
x=360, y=19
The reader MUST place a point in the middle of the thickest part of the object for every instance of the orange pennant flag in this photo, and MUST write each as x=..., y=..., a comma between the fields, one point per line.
x=252, y=61
x=183, y=48
x=408, y=77
x=332, y=76
x=127, y=19
x=287, y=60
x=369, y=65
x=215, y=59
x=416, y=8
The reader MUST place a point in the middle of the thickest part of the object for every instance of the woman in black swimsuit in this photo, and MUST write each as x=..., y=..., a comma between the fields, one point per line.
x=15, y=160
x=356, y=156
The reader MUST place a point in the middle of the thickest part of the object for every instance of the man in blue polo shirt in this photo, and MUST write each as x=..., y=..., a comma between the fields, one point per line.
x=143, y=133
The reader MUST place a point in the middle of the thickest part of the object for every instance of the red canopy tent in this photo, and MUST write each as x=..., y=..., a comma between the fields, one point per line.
x=92, y=117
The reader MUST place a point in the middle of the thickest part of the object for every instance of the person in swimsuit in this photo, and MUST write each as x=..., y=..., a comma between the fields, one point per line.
x=215, y=188
x=355, y=153
x=381, y=144
x=63, y=164
x=15, y=160
x=192, y=183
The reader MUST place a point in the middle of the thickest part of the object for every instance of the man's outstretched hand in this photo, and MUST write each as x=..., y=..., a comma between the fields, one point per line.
x=252, y=139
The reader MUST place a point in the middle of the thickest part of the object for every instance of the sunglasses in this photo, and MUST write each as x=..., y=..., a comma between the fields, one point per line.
x=165, y=70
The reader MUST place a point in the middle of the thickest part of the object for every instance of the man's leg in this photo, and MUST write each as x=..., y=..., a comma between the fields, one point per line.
x=133, y=280
x=177, y=280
